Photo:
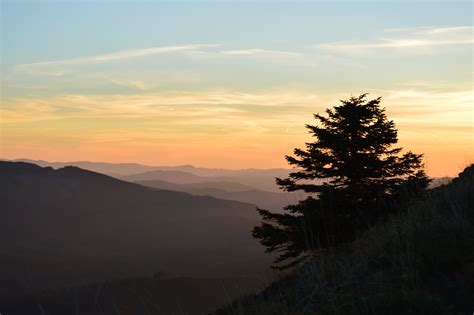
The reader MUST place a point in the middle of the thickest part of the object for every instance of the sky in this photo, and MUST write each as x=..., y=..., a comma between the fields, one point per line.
x=229, y=84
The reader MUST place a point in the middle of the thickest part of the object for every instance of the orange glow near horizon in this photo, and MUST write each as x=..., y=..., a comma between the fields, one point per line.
x=212, y=130
x=438, y=163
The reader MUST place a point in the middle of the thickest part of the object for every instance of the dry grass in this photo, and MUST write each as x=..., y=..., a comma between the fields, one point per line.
x=419, y=262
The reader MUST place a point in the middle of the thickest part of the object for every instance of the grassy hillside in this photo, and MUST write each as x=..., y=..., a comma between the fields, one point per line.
x=419, y=262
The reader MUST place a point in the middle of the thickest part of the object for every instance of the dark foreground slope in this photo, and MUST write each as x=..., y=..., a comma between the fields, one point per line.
x=420, y=262
x=157, y=295
x=69, y=226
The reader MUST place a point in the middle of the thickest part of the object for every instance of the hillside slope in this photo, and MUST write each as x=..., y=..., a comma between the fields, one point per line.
x=420, y=262
x=70, y=226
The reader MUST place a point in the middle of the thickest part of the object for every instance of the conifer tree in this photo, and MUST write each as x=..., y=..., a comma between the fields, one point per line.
x=350, y=173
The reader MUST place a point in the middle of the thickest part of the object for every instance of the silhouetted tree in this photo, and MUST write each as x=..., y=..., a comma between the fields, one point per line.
x=350, y=172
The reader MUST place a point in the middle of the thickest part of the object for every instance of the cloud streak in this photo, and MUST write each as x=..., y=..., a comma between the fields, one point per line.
x=421, y=38
x=58, y=68
x=178, y=105
x=258, y=52
x=120, y=55
x=227, y=106
x=133, y=84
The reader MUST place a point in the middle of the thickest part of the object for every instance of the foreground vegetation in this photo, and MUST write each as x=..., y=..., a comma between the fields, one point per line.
x=420, y=261
x=161, y=293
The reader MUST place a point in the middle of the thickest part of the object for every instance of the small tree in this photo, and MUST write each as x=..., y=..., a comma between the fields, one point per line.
x=350, y=172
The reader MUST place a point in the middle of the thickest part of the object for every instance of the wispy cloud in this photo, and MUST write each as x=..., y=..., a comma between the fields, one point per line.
x=133, y=84
x=259, y=54
x=409, y=40
x=405, y=104
x=259, y=51
x=280, y=57
x=58, y=68
x=216, y=107
x=120, y=55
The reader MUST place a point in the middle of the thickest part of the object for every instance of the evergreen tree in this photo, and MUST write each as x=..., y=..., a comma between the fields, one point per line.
x=350, y=173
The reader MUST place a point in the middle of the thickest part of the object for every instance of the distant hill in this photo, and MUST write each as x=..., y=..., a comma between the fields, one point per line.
x=262, y=179
x=112, y=169
x=177, y=177
x=71, y=226
x=198, y=187
x=255, y=179
x=230, y=191
x=219, y=172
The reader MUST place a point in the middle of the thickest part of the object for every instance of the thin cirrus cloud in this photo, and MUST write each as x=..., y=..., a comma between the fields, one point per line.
x=60, y=67
x=409, y=40
x=404, y=103
x=121, y=55
x=259, y=51
x=180, y=106
x=133, y=84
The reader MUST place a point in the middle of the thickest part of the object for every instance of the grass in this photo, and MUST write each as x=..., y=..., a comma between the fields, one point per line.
x=159, y=294
x=418, y=262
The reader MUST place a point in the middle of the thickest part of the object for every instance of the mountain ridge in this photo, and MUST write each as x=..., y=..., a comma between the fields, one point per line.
x=72, y=226
x=57, y=164
x=225, y=190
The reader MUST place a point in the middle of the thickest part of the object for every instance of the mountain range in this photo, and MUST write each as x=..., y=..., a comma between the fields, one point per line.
x=71, y=226
x=263, y=179
x=230, y=191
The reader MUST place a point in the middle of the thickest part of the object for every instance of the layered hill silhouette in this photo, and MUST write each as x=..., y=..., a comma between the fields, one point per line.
x=229, y=191
x=257, y=179
x=262, y=179
x=72, y=226
x=218, y=186
x=174, y=176
x=112, y=169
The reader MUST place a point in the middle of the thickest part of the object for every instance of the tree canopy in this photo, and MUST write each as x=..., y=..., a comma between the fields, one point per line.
x=350, y=173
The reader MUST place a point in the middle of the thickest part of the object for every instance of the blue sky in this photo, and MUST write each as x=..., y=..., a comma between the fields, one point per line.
x=36, y=31
x=261, y=67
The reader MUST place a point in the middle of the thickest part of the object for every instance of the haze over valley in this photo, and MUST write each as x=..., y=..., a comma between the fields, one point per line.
x=74, y=227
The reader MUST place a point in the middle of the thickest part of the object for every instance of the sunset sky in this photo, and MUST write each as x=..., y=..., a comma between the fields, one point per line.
x=229, y=84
